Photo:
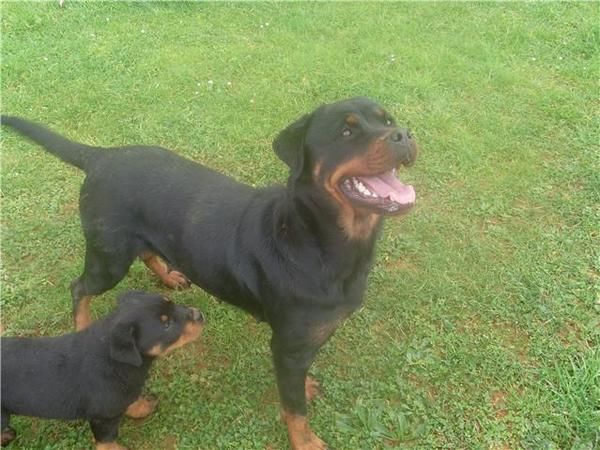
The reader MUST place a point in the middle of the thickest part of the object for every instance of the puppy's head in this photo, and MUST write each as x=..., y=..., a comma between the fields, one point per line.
x=351, y=150
x=151, y=325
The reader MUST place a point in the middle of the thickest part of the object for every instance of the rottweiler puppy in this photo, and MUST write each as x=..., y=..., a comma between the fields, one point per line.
x=98, y=373
x=296, y=257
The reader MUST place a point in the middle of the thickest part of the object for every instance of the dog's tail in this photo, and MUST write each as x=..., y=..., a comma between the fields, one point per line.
x=79, y=155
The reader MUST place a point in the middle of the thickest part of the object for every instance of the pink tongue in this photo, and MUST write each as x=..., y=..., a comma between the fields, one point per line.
x=387, y=185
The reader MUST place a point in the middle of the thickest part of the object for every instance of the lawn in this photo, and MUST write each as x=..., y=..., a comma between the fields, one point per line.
x=480, y=328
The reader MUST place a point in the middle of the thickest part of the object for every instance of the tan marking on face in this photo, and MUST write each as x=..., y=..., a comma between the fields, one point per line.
x=191, y=331
x=357, y=223
x=141, y=408
x=83, y=317
x=164, y=318
x=379, y=112
x=299, y=433
x=352, y=120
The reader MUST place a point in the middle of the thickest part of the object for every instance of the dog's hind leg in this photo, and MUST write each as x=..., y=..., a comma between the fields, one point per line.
x=172, y=278
x=102, y=271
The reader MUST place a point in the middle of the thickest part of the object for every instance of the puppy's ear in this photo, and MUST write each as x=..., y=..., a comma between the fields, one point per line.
x=123, y=347
x=289, y=145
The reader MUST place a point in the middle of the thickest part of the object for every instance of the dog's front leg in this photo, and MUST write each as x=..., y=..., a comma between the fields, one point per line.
x=292, y=361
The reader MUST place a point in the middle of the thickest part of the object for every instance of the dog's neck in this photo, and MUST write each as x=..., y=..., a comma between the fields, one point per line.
x=357, y=226
x=314, y=210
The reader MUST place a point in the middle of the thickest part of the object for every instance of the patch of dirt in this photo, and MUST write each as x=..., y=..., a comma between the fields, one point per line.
x=498, y=401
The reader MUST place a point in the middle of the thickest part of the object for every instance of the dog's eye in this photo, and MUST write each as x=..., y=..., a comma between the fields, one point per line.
x=165, y=321
x=347, y=132
x=388, y=122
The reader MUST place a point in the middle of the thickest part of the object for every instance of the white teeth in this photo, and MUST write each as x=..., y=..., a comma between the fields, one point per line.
x=360, y=187
x=357, y=185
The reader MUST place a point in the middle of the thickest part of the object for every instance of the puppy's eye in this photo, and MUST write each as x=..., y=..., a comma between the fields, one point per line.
x=347, y=132
x=165, y=321
x=388, y=122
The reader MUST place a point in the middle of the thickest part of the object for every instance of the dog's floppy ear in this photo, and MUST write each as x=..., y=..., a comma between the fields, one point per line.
x=289, y=145
x=123, y=347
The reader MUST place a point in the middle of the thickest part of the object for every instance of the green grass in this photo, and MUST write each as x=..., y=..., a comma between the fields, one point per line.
x=481, y=323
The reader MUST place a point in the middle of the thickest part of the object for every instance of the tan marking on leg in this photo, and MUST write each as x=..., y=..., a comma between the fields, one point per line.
x=311, y=388
x=109, y=446
x=190, y=333
x=142, y=407
x=172, y=278
x=83, y=317
x=320, y=333
x=300, y=435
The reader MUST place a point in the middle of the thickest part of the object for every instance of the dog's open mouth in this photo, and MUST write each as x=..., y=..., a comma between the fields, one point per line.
x=384, y=193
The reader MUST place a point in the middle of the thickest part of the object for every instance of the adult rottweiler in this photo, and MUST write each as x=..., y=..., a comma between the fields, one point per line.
x=98, y=373
x=297, y=256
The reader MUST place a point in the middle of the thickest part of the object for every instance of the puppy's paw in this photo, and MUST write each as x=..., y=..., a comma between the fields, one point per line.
x=142, y=407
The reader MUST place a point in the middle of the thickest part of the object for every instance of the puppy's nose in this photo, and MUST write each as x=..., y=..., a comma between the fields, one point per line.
x=401, y=135
x=196, y=315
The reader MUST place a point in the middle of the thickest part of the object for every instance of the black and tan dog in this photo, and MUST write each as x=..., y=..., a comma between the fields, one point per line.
x=95, y=374
x=296, y=256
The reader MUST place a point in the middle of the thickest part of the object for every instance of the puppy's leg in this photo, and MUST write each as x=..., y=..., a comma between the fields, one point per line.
x=102, y=271
x=292, y=361
x=172, y=278
x=105, y=433
x=8, y=434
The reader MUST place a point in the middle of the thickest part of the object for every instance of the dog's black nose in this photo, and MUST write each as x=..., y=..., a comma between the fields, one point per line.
x=196, y=315
x=402, y=134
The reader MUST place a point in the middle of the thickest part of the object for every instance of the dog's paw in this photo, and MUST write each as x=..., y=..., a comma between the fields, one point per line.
x=308, y=441
x=142, y=407
x=300, y=435
x=177, y=280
